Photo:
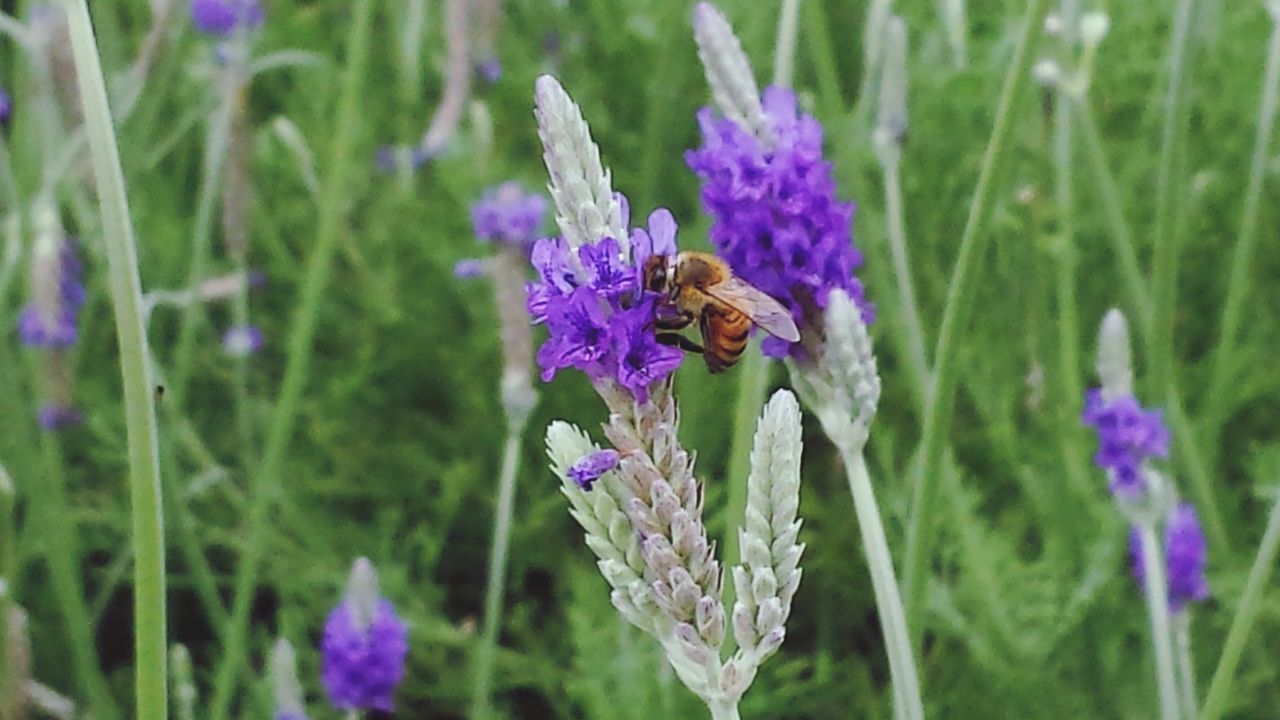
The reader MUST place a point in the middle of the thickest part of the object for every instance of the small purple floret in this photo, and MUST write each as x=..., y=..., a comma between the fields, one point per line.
x=54, y=417
x=6, y=107
x=221, y=17
x=509, y=215
x=1185, y=558
x=489, y=69
x=1127, y=435
x=361, y=667
x=242, y=341
x=775, y=215
x=588, y=469
x=469, y=269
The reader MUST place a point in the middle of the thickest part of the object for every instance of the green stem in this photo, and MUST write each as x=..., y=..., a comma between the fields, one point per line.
x=884, y=584
x=917, y=356
x=921, y=528
x=1158, y=607
x=1242, y=623
x=266, y=484
x=1123, y=245
x=150, y=649
x=784, y=51
x=1186, y=668
x=482, y=693
x=1242, y=257
x=1165, y=254
x=63, y=555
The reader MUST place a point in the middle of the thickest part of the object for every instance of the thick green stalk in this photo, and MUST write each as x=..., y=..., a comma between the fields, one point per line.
x=1186, y=667
x=917, y=356
x=1242, y=623
x=150, y=649
x=487, y=649
x=884, y=584
x=266, y=481
x=921, y=528
x=1165, y=258
x=1242, y=258
x=1157, y=592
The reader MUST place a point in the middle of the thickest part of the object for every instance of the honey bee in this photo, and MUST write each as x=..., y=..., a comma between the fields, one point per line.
x=700, y=286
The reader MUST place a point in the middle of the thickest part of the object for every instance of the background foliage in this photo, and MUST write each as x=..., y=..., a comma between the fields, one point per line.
x=1030, y=608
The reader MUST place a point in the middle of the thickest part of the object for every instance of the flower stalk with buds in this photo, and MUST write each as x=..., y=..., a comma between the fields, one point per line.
x=639, y=501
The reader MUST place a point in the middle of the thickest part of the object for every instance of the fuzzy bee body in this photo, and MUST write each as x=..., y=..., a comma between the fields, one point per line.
x=700, y=286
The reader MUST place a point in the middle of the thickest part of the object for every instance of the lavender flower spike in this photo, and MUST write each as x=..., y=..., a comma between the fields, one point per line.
x=509, y=215
x=768, y=575
x=284, y=682
x=1184, y=550
x=364, y=646
x=843, y=387
x=586, y=209
x=728, y=72
x=51, y=318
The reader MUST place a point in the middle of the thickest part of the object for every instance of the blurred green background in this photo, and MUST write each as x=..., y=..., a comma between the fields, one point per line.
x=1030, y=609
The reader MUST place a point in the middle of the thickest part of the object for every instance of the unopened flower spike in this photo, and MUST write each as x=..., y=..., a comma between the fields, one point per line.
x=286, y=688
x=364, y=646
x=728, y=72
x=51, y=318
x=891, y=124
x=843, y=386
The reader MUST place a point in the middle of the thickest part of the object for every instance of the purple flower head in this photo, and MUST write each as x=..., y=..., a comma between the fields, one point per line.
x=1127, y=436
x=489, y=69
x=54, y=417
x=222, y=17
x=591, y=466
x=50, y=319
x=364, y=647
x=6, y=107
x=469, y=268
x=1184, y=548
x=599, y=316
x=242, y=341
x=508, y=214
x=775, y=215
x=389, y=158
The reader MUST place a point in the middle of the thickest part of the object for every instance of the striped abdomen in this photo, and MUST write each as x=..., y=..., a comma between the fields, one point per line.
x=724, y=335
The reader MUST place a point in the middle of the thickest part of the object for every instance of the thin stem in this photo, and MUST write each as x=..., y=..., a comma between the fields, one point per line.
x=1123, y=245
x=884, y=584
x=266, y=486
x=150, y=648
x=1242, y=258
x=1158, y=607
x=1242, y=623
x=921, y=528
x=1165, y=256
x=917, y=356
x=63, y=555
x=784, y=54
x=480, y=700
x=1186, y=668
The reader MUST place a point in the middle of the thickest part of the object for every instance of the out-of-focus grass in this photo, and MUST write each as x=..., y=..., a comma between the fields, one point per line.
x=1029, y=610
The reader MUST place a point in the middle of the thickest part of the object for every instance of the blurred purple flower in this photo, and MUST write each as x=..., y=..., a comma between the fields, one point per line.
x=590, y=467
x=221, y=17
x=599, y=317
x=509, y=215
x=489, y=69
x=389, y=158
x=469, y=268
x=242, y=340
x=775, y=215
x=364, y=646
x=1184, y=547
x=6, y=107
x=50, y=319
x=54, y=417
x=1127, y=435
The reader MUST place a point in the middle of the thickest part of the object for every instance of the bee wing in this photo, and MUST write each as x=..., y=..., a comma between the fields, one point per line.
x=769, y=314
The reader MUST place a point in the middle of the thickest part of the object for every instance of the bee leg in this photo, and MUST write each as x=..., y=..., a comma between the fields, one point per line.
x=680, y=341
x=673, y=322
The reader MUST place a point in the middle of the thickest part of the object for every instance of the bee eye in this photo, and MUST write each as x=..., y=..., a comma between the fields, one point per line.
x=658, y=279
